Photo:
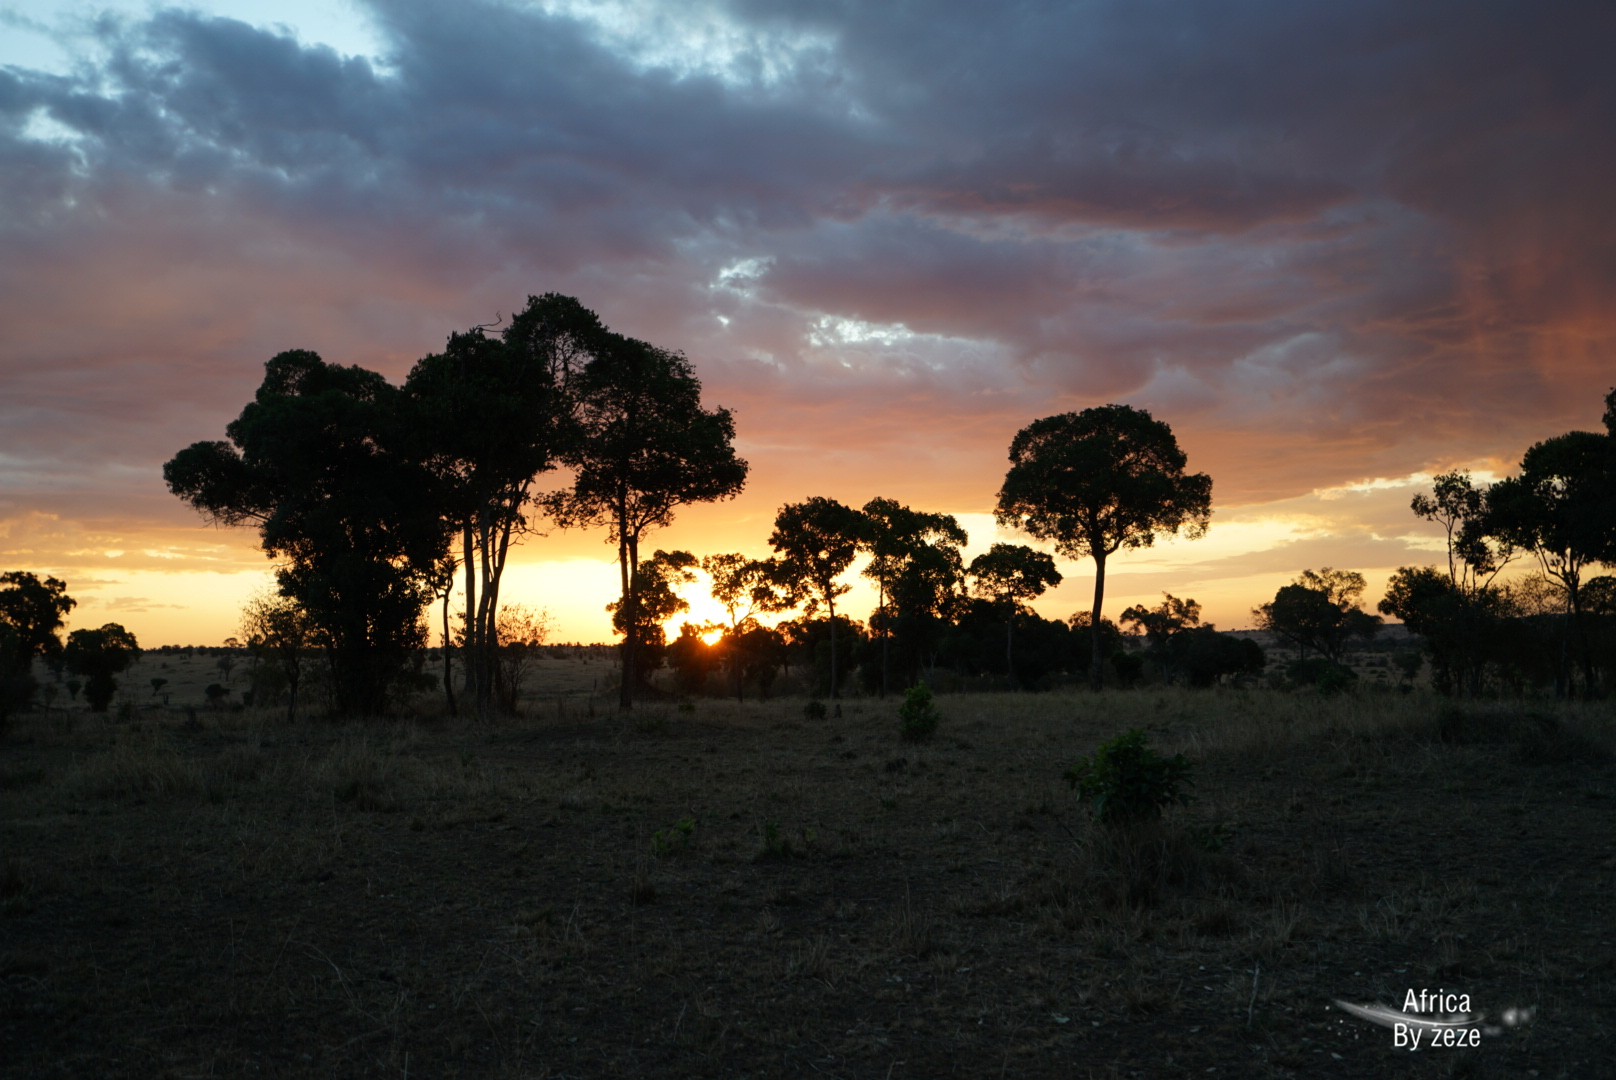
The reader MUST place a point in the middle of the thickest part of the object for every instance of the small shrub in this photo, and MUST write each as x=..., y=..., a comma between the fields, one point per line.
x=917, y=716
x=674, y=838
x=1330, y=677
x=1126, y=781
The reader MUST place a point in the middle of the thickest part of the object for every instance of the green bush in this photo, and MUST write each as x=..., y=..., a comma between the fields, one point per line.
x=1329, y=676
x=917, y=716
x=1126, y=781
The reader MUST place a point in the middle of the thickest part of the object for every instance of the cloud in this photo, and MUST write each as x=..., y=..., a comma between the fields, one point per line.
x=1326, y=242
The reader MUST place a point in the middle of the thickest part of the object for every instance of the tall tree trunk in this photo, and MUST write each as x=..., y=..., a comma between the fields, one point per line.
x=830, y=601
x=1096, y=661
x=1009, y=655
x=886, y=638
x=629, y=557
x=448, y=656
x=470, y=629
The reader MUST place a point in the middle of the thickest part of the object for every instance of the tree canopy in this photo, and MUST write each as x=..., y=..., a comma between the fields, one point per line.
x=645, y=446
x=1100, y=481
x=817, y=541
x=324, y=461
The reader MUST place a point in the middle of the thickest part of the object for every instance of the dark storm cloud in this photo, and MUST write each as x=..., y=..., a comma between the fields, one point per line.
x=1325, y=240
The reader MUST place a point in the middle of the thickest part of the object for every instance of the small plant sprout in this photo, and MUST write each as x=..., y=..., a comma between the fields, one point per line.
x=674, y=838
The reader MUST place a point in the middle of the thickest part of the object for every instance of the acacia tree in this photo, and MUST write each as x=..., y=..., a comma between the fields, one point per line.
x=1319, y=611
x=1458, y=614
x=746, y=588
x=1562, y=508
x=915, y=561
x=30, y=615
x=493, y=413
x=817, y=541
x=1162, y=624
x=1009, y=575
x=279, y=632
x=654, y=603
x=1098, y=482
x=325, y=462
x=99, y=655
x=645, y=446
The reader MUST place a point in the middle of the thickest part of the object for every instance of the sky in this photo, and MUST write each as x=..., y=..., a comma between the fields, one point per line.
x=1338, y=246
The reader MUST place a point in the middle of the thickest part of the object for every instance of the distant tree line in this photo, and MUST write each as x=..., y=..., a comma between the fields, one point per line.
x=379, y=502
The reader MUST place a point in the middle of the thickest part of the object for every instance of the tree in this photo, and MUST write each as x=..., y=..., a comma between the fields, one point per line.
x=99, y=655
x=279, y=634
x=1098, y=482
x=817, y=541
x=654, y=603
x=746, y=588
x=1562, y=508
x=645, y=447
x=521, y=633
x=492, y=414
x=1162, y=624
x=1010, y=574
x=1319, y=611
x=30, y=615
x=325, y=463
x=916, y=563
x=1460, y=615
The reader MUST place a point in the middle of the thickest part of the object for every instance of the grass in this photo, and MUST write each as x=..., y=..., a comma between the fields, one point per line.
x=236, y=896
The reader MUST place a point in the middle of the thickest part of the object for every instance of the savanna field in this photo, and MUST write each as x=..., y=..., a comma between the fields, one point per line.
x=722, y=889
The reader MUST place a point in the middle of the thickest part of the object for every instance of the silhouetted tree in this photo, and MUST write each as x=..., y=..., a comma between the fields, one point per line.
x=817, y=541
x=280, y=634
x=1319, y=611
x=30, y=615
x=691, y=659
x=1461, y=615
x=915, y=560
x=1207, y=657
x=100, y=655
x=1562, y=508
x=324, y=461
x=1009, y=575
x=491, y=415
x=1097, y=482
x=745, y=588
x=646, y=446
x=1161, y=624
x=654, y=603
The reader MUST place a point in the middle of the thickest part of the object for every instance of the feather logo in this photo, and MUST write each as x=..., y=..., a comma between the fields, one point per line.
x=1419, y=1023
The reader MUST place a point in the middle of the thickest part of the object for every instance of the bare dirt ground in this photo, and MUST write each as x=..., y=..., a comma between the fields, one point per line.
x=739, y=891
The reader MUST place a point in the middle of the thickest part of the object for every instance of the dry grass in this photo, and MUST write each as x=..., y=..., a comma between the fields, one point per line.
x=230, y=895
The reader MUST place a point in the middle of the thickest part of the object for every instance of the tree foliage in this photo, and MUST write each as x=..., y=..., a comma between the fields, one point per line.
x=280, y=635
x=325, y=463
x=916, y=563
x=31, y=613
x=645, y=447
x=654, y=602
x=1009, y=575
x=1098, y=482
x=490, y=415
x=817, y=541
x=1319, y=612
x=99, y=656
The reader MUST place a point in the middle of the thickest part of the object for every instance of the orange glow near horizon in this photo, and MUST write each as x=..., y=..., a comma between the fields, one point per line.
x=1247, y=555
